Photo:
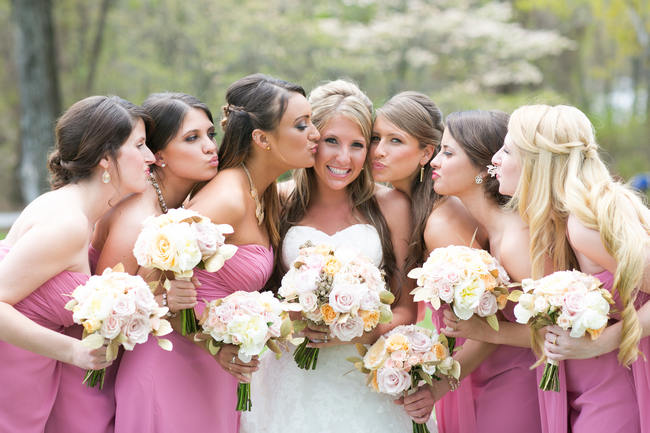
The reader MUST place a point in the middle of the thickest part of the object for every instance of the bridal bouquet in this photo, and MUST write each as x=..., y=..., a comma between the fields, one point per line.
x=569, y=299
x=178, y=241
x=399, y=360
x=250, y=320
x=118, y=307
x=469, y=279
x=339, y=288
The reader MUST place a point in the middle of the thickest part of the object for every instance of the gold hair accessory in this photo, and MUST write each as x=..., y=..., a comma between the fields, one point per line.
x=259, y=206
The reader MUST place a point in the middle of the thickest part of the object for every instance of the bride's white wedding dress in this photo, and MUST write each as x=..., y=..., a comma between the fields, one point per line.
x=334, y=397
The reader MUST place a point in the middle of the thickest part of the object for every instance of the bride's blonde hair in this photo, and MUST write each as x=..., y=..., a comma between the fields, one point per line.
x=562, y=174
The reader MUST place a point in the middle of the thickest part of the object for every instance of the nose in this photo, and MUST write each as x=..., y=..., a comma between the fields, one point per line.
x=378, y=150
x=314, y=134
x=435, y=162
x=148, y=155
x=209, y=146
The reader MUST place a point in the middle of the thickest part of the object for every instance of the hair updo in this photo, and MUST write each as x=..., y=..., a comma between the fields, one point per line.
x=88, y=131
x=481, y=133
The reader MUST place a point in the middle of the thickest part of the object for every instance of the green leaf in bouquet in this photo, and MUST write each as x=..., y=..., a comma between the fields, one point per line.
x=425, y=376
x=361, y=349
x=286, y=328
x=273, y=347
x=213, y=347
x=386, y=297
x=515, y=295
x=299, y=325
x=165, y=344
x=493, y=322
x=93, y=341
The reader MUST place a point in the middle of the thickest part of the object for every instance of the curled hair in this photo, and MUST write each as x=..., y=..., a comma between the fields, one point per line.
x=88, y=131
x=168, y=110
x=480, y=134
x=255, y=102
x=342, y=98
x=562, y=174
x=417, y=115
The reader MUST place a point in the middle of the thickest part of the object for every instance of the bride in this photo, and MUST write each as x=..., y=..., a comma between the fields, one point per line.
x=336, y=202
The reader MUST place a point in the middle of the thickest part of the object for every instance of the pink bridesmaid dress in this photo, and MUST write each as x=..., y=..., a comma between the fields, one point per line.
x=499, y=396
x=74, y=398
x=29, y=382
x=641, y=373
x=186, y=390
x=596, y=395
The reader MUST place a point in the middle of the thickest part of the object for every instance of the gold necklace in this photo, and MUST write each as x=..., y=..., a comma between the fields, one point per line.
x=259, y=205
x=161, y=199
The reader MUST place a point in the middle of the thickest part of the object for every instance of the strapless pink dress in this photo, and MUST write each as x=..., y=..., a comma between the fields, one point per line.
x=186, y=390
x=29, y=382
x=75, y=398
x=641, y=373
x=596, y=395
x=499, y=396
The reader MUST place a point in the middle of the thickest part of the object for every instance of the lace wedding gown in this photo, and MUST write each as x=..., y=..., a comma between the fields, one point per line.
x=334, y=397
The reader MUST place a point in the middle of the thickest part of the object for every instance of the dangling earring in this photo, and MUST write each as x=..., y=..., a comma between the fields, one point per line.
x=106, y=177
x=478, y=179
x=421, y=174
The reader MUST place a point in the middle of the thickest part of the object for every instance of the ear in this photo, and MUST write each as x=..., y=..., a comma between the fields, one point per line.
x=260, y=138
x=427, y=154
x=104, y=163
x=159, y=159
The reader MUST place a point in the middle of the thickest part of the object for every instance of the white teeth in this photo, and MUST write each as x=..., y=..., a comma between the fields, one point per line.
x=337, y=171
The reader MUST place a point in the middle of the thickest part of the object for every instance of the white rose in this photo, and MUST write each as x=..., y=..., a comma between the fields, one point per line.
x=344, y=298
x=111, y=327
x=346, y=331
x=393, y=381
x=308, y=301
x=487, y=305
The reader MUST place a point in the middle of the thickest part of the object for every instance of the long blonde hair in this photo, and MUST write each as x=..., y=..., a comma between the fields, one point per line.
x=562, y=174
x=344, y=98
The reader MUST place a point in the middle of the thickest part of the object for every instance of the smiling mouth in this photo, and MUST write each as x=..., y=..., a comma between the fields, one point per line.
x=338, y=171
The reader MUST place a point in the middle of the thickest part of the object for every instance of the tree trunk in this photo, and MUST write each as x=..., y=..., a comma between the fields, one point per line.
x=39, y=91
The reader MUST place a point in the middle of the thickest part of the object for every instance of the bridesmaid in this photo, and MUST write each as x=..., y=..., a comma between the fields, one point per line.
x=268, y=130
x=549, y=163
x=100, y=157
x=181, y=137
x=406, y=135
x=504, y=380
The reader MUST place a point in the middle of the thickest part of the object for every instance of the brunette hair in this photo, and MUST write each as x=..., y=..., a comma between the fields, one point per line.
x=88, y=131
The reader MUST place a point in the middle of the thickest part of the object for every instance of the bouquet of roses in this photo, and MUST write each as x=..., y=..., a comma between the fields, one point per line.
x=469, y=279
x=399, y=360
x=250, y=320
x=118, y=307
x=339, y=288
x=569, y=299
x=178, y=241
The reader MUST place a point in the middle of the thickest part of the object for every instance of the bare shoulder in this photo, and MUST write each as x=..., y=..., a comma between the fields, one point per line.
x=450, y=224
x=222, y=199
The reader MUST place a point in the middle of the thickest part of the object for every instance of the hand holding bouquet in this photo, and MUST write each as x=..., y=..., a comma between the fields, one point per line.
x=469, y=279
x=120, y=308
x=250, y=320
x=398, y=361
x=178, y=241
x=338, y=288
x=569, y=299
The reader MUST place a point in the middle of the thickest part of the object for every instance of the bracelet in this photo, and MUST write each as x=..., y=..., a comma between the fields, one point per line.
x=453, y=383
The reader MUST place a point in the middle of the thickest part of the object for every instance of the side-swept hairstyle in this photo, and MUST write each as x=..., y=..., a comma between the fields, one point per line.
x=91, y=129
x=417, y=115
x=254, y=102
x=562, y=174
